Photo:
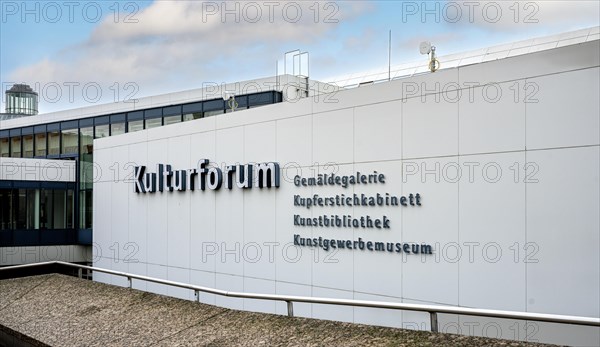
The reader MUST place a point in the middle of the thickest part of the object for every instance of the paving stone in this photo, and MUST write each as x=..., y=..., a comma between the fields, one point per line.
x=60, y=310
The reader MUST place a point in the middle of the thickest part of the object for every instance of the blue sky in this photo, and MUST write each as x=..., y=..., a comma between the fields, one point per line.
x=150, y=48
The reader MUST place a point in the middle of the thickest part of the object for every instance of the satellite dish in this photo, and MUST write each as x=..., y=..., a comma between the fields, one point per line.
x=425, y=47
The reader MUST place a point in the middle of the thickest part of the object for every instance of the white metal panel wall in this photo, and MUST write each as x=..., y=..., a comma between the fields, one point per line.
x=33, y=169
x=518, y=229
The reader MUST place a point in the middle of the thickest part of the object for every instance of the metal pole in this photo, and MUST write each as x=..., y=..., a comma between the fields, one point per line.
x=290, y=308
x=129, y=280
x=434, y=321
x=197, y=292
x=390, y=57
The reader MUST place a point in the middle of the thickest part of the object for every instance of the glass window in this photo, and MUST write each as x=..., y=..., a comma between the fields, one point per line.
x=136, y=125
x=59, y=202
x=192, y=116
x=85, y=209
x=213, y=113
x=153, y=123
x=86, y=142
x=33, y=209
x=4, y=147
x=69, y=204
x=15, y=147
x=70, y=141
x=6, y=207
x=40, y=145
x=117, y=129
x=53, y=143
x=86, y=158
x=20, y=209
x=172, y=119
x=46, y=207
x=101, y=131
x=27, y=146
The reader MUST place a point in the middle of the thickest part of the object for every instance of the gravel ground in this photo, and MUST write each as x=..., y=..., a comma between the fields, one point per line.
x=59, y=310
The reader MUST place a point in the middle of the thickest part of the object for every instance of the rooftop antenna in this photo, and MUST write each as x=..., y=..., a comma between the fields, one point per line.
x=229, y=97
x=426, y=48
x=390, y=57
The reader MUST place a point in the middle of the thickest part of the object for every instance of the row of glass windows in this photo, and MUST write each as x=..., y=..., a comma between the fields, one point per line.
x=30, y=209
x=76, y=137
x=73, y=141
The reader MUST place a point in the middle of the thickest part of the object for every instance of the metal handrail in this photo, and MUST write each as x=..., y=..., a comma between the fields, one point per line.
x=433, y=310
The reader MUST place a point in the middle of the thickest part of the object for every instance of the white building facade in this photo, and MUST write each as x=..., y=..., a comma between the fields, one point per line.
x=475, y=186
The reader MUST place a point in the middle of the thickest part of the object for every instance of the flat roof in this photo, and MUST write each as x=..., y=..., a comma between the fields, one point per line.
x=482, y=55
x=210, y=91
x=67, y=311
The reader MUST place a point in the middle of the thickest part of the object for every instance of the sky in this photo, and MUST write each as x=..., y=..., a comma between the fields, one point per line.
x=82, y=53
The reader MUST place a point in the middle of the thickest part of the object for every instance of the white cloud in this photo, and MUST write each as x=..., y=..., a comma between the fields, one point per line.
x=518, y=15
x=175, y=45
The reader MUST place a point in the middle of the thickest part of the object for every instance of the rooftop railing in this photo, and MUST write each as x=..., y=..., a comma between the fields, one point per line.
x=433, y=310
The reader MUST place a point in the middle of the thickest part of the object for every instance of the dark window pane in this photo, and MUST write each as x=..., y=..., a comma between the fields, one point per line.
x=153, y=113
x=135, y=115
x=70, y=207
x=59, y=209
x=213, y=105
x=101, y=120
x=33, y=209
x=117, y=118
x=69, y=125
x=6, y=208
x=192, y=108
x=46, y=213
x=20, y=209
x=85, y=209
x=87, y=122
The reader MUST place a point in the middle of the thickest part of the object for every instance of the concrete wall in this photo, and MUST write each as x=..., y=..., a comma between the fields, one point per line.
x=508, y=172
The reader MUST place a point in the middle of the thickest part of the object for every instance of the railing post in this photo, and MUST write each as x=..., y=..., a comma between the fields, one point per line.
x=197, y=293
x=434, y=321
x=290, y=308
x=129, y=280
x=80, y=272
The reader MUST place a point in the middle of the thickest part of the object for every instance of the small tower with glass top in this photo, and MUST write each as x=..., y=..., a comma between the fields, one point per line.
x=21, y=99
